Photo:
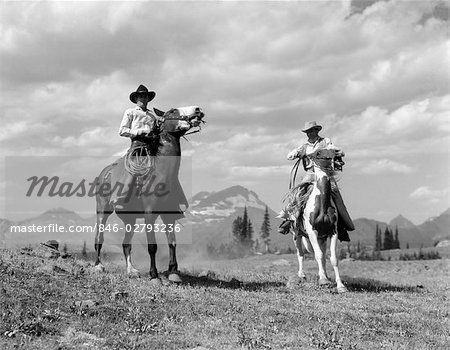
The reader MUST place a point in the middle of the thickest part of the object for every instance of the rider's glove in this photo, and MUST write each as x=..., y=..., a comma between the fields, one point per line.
x=292, y=155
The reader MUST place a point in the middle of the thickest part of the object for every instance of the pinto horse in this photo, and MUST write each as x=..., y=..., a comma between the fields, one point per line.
x=320, y=220
x=155, y=192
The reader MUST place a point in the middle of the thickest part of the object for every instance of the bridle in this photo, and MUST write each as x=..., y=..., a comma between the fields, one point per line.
x=190, y=119
x=316, y=160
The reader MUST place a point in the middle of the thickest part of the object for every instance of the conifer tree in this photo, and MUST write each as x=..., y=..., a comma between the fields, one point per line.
x=236, y=230
x=379, y=242
x=265, y=229
x=249, y=237
x=244, y=227
x=396, y=240
x=388, y=239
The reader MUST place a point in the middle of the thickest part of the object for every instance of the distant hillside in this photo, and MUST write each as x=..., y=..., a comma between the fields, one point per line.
x=365, y=233
x=438, y=227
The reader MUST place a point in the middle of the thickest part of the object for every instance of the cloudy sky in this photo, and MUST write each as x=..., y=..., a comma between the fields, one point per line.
x=373, y=73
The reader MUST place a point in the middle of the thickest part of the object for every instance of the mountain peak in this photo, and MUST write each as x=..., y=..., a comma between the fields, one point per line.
x=401, y=222
x=221, y=204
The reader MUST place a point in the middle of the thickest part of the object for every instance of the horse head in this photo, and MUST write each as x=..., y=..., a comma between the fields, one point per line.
x=324, y=159
x=180, y=120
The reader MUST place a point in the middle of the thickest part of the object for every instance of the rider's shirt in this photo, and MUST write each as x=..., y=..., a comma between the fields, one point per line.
x=309, y=148
x=135, y=119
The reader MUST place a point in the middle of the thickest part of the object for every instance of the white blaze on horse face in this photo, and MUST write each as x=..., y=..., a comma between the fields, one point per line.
x=183, y=125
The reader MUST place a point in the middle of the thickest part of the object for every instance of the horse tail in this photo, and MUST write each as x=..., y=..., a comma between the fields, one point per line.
x=102, y=199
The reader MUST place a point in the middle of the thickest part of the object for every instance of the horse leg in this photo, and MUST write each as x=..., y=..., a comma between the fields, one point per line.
x=300, y=256
x=151, y=244
x=172, y=243
x=102, y=217
x=129, y=222
x=334, y=262
x=319, y=255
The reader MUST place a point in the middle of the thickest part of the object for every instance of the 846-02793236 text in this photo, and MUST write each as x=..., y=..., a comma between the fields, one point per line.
x=164, y=228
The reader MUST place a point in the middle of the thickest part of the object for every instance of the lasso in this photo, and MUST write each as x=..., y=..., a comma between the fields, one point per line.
x=138, y=161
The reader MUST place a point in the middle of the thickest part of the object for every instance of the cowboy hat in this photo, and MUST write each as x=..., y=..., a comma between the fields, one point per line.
x=310, y=125
x=142, y=90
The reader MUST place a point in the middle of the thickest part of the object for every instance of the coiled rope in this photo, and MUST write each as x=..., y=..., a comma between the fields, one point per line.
x=138, y=161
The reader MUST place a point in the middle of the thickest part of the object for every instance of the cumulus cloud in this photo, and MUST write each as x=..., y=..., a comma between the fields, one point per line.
x=430, y=195
x=385, y=166
x=378, y=131
x=374, y=73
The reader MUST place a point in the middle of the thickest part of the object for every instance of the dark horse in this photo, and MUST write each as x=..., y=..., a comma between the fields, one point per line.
x=156, y=192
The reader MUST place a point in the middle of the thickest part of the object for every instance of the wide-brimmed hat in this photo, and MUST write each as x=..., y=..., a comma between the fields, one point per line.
x=310, y=125
x=51, y=244
x=141, y=90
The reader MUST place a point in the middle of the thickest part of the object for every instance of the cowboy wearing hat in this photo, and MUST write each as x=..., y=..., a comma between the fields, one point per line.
x=139, y=124
x=314, y=143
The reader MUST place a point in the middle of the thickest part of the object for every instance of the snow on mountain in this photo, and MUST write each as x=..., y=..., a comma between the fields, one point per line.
x=217, y=206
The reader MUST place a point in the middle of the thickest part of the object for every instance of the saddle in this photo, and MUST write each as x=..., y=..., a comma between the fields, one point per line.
x=302, y=193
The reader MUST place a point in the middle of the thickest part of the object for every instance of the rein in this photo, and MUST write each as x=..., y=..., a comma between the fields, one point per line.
x=294, y=174
x=294, y=169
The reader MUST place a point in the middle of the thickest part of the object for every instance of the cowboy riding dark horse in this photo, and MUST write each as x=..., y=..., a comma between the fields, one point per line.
x=144, y=183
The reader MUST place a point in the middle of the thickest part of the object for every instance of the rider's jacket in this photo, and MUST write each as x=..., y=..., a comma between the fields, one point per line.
x=136, y=121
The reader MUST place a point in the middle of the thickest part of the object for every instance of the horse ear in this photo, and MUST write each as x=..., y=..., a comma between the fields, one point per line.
x=158, y=112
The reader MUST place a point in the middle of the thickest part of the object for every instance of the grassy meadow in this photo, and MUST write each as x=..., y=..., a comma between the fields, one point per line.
x=252, y=303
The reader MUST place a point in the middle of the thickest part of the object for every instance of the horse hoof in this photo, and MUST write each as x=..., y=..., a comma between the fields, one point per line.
x=342, y=289
x=302, y=278
x=134, y=274
x=155, y=282
x=99, y=268
x=324, y=282
x=173, y=277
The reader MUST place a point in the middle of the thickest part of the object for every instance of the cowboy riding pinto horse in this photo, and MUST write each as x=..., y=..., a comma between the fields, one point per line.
x=150, y=171
x=315, y=210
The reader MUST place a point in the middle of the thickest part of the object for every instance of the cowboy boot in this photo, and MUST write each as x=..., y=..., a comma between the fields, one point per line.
x=285, y=227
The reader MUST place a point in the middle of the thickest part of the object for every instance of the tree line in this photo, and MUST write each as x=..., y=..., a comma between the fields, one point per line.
x=390, y=241
x=244, y=241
